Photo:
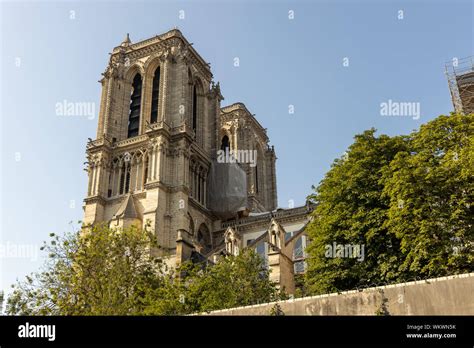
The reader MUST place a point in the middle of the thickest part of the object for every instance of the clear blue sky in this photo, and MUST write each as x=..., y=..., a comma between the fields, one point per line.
x=282, y=62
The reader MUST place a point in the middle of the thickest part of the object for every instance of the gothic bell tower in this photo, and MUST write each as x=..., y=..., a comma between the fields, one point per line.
x=156, y=136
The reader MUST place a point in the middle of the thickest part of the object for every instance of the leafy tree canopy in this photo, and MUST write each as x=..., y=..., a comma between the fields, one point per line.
x=102, y=271
x=407, y=200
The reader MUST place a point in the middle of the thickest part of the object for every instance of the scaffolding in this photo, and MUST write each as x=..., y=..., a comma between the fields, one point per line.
x=460, y=75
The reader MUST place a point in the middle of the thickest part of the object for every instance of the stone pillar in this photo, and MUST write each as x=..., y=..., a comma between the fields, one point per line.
x=153, y=163
x=205, y=189
x=163, y=110
x=119, y=177
x=164, y=160
x=149, y=165
x=103, y=98
x=145, y=106
x=142, y=176
x=108, y=99
x=115, y=181
x=90, y=172
x=158, y=163
x=103, y=186
x=133, y=175
x=196, y=189
x=111, y=180
x=96, y=178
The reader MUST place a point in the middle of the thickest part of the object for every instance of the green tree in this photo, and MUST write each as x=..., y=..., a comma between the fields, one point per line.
x=406, y=199
x=102, y=271
x=350, y=210
x=234, y=281
x=431, y=192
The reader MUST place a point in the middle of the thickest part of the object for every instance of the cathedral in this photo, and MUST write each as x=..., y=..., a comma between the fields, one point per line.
x=202, y=176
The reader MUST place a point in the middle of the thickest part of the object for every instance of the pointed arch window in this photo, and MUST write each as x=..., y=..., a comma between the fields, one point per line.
x=225, y=143
x=256, y=179
x=155, y=94
x=125, y=179
x=194, y=109
x=122, y=180
x=135, y=107
x=198, y=183
x=204, y=239
x=145, y=171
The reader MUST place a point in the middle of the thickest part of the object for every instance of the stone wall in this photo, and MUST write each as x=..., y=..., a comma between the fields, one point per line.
x=452, y=295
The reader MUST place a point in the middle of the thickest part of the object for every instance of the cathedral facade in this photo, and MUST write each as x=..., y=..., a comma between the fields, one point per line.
x=169, y=156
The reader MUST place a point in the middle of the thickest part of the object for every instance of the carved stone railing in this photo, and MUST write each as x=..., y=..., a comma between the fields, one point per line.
x=277, y=214
x=157, y=126
x=130, y=141
x=96, y=143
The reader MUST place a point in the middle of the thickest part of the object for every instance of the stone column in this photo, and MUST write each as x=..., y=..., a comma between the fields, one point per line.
x=196, y=183
x=103, y=186
x=133, y=174
x=145, y=101
x=119, y=177
x=111, y=185
x=91, y=178
x=153, y=161
x=108, y=100
x=205, y=190
x=116, y=179
x=103, y=98
x=162, y=107
x=158, y=164
x=202, y=187
x=96, y=179
x=143, y=178
x=163, y=163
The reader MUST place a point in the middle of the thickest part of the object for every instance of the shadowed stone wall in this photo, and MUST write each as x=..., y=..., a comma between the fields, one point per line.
x=452, y=295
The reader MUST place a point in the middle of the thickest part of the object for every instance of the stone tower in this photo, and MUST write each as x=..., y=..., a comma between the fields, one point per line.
x=160, y=129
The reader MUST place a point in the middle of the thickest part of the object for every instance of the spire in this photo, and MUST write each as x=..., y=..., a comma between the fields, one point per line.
x=126, y=42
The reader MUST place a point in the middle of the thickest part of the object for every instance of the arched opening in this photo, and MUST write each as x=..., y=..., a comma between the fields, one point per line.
x=191, y=224
x=155, y=94
x=273, y=238
x=197, y=107
x=225, y=143
x=258, y=172
x=256, y=178
x=124, y=179
x=198, y=182
x=194, y=110
x=127, y=179
x=204, y=239
x=135, y=107
x=145, y=171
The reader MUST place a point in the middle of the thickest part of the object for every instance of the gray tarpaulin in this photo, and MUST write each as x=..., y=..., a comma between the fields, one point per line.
x=227, y=189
